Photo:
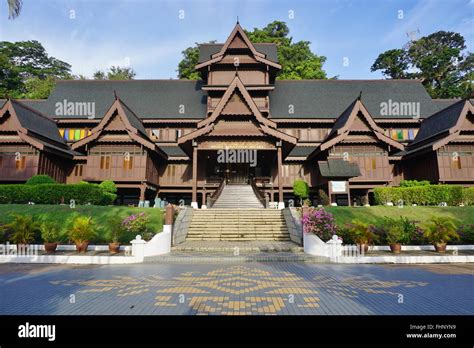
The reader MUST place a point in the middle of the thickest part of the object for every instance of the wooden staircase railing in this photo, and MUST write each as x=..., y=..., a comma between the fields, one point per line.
x=215, y=195
x=258, y=193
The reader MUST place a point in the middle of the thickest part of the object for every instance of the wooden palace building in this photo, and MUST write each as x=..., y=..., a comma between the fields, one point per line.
x=182, y=140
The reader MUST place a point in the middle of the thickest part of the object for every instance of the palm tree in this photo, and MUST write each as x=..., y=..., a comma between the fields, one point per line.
x=14, y=8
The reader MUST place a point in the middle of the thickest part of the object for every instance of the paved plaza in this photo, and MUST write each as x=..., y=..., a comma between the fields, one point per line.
x=256, y=288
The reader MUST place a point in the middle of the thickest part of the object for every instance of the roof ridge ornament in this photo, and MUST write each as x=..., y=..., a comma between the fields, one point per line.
x=115, y=95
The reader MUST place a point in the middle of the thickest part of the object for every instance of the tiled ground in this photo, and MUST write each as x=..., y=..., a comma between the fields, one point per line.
x=236, y=289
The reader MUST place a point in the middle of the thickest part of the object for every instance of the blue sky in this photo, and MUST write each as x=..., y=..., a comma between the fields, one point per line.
x=149, y=35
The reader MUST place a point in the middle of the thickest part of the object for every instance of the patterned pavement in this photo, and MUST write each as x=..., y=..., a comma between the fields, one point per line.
x=249, y=288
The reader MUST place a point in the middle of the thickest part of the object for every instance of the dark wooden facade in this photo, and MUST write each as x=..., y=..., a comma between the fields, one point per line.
x=161, y=138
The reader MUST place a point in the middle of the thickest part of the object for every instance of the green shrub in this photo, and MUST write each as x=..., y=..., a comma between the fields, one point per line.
x=301, y=190
x=82, y=230
x=323, y=198
x=412, y=183
x=361, y=232
x=82, y=193
x=420, y=195
x=50, y=232
x=40, y=180
x=108, y=186
x=468, y=196
x=23, y=228
x=441, y=229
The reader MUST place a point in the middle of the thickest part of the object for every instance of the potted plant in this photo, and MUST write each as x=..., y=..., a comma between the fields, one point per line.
x=362, y=234
x=396, y=233
x=116, y=232
x=81, y=233
x=23, y=230
x=50, y=235
x=439, y=231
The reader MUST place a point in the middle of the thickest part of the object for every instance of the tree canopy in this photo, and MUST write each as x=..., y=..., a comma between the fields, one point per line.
x=439, y=60
x=115, y=73
x=297, y=60
x=27, y=71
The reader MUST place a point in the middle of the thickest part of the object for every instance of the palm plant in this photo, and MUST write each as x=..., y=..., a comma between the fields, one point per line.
x=82, y=230
x=440, y=230
x=24, y=229
x=14, y=8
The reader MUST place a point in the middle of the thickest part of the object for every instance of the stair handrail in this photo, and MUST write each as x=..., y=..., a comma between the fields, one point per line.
x=216, y=194
x=257, y=192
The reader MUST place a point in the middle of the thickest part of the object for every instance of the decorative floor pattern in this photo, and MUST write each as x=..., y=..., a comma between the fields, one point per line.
x=229, y=289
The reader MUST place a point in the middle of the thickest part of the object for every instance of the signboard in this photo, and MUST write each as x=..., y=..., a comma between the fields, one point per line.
x=339, y=186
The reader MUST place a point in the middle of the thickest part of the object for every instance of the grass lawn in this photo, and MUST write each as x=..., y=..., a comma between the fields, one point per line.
x=465, y=215
x=63, y=215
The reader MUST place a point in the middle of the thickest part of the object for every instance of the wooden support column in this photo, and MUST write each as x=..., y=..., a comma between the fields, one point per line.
x=142, y=192
x=280, y=179
x=194, y=195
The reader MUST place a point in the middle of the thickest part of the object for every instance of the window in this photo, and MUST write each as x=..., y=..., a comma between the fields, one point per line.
x=178, y=133
x=20, y=163
x=456, y=163
x=74, y=134
x=374, y=164
x=371, y=164
x=155, y=134
x=1, y=161
x=78, y=170
x=104, y=162
x=127, y=163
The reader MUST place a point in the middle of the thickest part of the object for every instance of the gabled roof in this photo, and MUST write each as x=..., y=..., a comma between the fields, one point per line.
x=207, y=125
x=238, y=34
x=207, y=50
x=132, y=125
x=441, y=127
x=338, y=168
x=35, y=128
x=161, y=99
x=343, y=127
x=326, y=99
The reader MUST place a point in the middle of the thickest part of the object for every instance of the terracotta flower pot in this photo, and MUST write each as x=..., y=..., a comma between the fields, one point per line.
x=82, y=247
x=114, y=248
x=440, y=247
x=396, y=248
x=50, y=248
x=363, y=248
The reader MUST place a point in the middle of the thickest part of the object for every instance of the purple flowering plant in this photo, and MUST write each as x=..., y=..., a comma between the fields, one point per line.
x=137, y=224
x=320, y=222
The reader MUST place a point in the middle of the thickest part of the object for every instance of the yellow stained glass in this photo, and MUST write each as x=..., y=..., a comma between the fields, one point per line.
x=71, y=134
x=405, y=134
x=61, y=131
x=83, y=133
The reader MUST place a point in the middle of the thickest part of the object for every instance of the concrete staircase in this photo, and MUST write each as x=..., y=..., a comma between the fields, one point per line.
x=237, y=196
x=238, y=225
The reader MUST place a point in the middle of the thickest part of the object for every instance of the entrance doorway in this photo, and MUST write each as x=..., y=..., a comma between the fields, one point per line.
x=237, y=173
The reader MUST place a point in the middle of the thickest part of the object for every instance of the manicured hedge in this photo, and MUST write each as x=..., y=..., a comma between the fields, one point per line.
x=82, y=193
x=468, y=196
x=421, y=195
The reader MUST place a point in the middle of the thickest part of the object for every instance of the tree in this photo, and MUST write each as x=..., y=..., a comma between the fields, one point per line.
x=26, y=69
x=14, y=8
x=297, y=60
x=393, y=63
x=301, y=189
x=115, y=73
x=437, y=60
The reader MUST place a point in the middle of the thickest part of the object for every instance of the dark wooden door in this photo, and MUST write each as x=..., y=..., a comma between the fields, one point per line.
x=238, y=173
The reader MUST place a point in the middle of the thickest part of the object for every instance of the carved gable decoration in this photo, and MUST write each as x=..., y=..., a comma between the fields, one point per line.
x=236, y=106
